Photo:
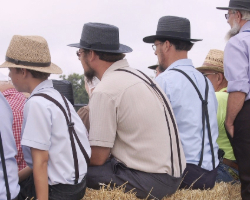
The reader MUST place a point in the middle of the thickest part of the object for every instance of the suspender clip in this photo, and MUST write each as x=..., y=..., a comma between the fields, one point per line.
x=204, y=102
x=153, y=85
x=71, y=124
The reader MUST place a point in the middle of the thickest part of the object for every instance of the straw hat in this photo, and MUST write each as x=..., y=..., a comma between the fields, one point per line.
x=30, y=52
x=213, y=61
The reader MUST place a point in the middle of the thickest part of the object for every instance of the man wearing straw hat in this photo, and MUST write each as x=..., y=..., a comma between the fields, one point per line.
x=213, y=69
x=54, y=140
x=192, y=98
x=236, y=65
x=133, y=135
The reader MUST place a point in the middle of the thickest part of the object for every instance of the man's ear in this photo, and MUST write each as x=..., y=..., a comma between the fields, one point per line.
x=24, y=72
x=239, y=16
x=220, y=78
x=166, y=46
x=92, y=55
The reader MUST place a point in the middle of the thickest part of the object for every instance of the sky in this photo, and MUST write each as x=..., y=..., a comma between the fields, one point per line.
x=60, y=22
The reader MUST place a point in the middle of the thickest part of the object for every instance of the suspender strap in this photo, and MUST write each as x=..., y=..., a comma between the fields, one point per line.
x=205, y=117
x=158, y=92
x=71, y=133
x=4, y=170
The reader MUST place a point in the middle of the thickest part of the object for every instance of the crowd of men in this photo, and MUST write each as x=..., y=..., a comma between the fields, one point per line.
x=187, y=128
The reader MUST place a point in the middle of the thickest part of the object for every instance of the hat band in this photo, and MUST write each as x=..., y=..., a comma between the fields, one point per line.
x=174, y=34
x=208, y=64
x=25, y=63
x=239, y=4
x=99, y=45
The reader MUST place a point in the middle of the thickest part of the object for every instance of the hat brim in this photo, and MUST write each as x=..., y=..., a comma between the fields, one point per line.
x=122, y=48
x=153, y=67
x=217, y=69
x=232, y=8
x=52, y=69
x=152, y=38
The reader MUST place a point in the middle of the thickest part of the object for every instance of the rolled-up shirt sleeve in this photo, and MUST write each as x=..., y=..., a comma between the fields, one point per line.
x=236, y=66
x=103, y=121
x=37, y=126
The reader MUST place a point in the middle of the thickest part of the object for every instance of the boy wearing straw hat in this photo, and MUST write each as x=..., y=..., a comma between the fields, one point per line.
x=133, y=134
x=192, y=98
x=236, y=65
x=54, y=140
x=213, y=69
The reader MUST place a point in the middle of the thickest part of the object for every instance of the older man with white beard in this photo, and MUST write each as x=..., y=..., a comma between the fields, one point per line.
x=236, y=66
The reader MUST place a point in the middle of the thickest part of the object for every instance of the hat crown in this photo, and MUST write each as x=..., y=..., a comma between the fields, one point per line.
x=173, y=24
x=94, y=33
x=214, y=58
x=32, y=49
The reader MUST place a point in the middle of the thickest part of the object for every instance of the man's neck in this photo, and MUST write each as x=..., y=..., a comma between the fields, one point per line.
x=33, y=84
x=101, y=68
x=178, y=55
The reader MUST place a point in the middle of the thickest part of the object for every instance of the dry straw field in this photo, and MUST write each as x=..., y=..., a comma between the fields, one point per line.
x=221, y=191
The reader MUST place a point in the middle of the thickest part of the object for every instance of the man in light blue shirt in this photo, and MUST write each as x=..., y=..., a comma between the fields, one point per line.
x=9, y=149
x=237, y=72
x=171, y=44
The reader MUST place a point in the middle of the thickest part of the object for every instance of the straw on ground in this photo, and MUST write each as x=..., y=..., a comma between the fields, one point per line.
x=221, y=191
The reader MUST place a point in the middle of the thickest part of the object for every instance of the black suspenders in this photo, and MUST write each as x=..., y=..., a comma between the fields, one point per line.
x=72, y=133
x=4, y=170
x=205, y=117
x=158, y=92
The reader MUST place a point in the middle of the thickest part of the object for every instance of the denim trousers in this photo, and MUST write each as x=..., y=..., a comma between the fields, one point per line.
x=227, y=174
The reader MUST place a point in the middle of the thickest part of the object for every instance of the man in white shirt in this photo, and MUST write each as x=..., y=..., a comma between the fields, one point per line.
x=54, y=140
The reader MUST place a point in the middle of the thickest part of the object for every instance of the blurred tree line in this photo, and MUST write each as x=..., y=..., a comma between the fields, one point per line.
x=80, y=94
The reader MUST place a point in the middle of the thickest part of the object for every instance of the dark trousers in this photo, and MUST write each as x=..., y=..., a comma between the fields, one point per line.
x=241, y=146
x=206, y=179
x=56, y=192
x=118, y=173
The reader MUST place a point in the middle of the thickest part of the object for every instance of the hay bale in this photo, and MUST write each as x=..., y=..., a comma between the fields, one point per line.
x=221, y=191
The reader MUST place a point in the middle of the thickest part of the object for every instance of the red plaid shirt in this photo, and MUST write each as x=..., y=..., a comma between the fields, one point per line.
x=17, y=101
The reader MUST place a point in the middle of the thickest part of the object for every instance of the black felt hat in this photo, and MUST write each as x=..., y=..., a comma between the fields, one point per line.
x=171, y=27
x=237, y=5
x=153, y=67
x=101, y=37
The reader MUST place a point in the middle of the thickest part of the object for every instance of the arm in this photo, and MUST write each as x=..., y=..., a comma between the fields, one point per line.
x=24, y=173
x=40, y=164
x=99, y=155
x=234, y=105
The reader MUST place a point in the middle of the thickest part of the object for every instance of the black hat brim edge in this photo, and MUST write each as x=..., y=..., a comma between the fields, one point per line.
x=231, y=8
x=122, y=48
x=153, y=67
x=152, y=38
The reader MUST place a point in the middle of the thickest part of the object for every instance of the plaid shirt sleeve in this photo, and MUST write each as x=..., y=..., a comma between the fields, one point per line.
x=17, y=101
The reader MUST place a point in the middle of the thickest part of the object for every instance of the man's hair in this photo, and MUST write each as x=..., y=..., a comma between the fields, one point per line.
x=180, y=45
x=36, y=74
x=106, y=56
x=245, y=14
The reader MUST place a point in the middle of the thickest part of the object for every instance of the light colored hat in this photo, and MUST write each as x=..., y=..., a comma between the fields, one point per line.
x=30, y=52
x=213, y=61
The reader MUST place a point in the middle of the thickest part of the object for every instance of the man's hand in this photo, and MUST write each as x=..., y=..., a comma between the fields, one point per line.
x=230, y=129
x=99, y=155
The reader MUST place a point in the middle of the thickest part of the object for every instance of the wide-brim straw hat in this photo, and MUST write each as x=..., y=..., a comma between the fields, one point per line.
x=172, y=27
x=237, y=5
x=213, y=61
x=101, y=37
x=30, y=52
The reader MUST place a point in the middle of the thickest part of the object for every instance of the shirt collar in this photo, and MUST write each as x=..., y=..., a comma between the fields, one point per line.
x=10, y=91
x=42, y=85
x=116, y=65
x=246, y=26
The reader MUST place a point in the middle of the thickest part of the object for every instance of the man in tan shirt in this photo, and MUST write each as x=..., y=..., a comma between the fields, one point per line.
x=130, y=119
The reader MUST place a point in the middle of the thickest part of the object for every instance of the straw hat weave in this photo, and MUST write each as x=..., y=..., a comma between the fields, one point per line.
x=30, y=52
x=213, y=61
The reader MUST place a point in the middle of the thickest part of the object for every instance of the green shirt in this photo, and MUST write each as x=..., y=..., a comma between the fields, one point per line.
x=223, y=140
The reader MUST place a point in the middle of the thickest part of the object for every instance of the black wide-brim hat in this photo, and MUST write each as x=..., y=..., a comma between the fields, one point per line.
x=171, y=27
x=101, y=37
x=237, y=5
x=153, y=67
